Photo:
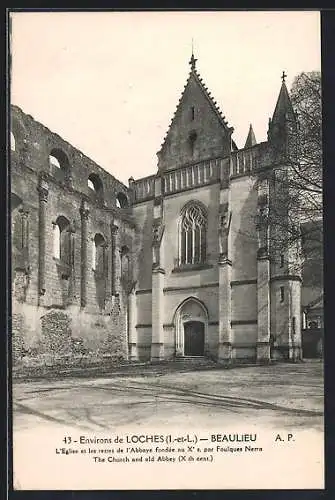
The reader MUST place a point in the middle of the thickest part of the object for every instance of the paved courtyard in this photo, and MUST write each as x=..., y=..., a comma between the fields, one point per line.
x=279, y=396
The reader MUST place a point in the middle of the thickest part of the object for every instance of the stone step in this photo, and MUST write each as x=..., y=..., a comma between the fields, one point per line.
x=186, y=358
x=193, y=360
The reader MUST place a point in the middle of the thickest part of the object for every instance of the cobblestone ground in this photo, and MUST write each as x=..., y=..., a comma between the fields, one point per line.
x=283, y=395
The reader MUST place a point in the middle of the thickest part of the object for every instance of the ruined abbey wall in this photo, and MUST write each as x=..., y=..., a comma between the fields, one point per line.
x=65, y=307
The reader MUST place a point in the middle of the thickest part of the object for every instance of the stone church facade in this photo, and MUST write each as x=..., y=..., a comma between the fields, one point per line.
x=177, y=264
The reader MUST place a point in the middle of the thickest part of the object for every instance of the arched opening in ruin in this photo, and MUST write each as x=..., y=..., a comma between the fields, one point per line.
x=20, y=248
x=12, y=142
x=99, y=256
x=100, y=268
x=59, y=165
x=61, y=239
x=122, y=200
x=54, y=162
x=95, y=186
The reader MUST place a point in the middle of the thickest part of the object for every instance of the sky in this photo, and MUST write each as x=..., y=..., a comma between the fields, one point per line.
x=109, y=82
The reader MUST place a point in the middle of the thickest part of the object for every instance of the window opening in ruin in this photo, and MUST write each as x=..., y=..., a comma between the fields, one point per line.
x=62, y=239
x=126, y=270
x=282, y=260
x=59, y=165
x=54, y=162
x=99, y=254
x=95, y=185
x=56, y=244
x=12, y=142
x=121, y=200
x=125, y=261
x=20, y=226
x=94, y=252
x=193, y=225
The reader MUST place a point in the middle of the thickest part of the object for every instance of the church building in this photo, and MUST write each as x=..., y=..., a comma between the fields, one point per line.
x=178, y=264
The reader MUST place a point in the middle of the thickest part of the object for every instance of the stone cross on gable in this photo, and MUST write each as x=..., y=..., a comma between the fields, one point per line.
x=193, y=60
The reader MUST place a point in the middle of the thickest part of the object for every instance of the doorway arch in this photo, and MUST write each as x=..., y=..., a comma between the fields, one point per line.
x=191, y=328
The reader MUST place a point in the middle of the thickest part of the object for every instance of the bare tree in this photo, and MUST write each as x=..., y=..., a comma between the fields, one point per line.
x=306, y=177
x=296, y=206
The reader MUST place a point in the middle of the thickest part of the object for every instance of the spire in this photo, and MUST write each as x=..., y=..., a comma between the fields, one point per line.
x=251, y=139
x=283, y=120
x=284, y=108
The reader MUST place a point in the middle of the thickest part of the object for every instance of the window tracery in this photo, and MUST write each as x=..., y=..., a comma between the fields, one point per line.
x=193, y=226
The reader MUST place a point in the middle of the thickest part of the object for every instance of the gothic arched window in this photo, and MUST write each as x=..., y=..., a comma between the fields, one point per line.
x=192, y=234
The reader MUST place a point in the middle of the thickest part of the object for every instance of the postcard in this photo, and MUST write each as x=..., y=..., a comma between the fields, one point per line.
x=166, y=251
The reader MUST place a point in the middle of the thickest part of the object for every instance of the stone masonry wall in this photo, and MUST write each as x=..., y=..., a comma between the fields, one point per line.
x=55, y=328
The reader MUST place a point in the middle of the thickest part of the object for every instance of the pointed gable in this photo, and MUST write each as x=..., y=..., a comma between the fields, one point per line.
x=198, y=129
x=251, y=139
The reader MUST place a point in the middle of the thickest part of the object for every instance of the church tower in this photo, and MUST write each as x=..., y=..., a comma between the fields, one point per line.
x=284, y=231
